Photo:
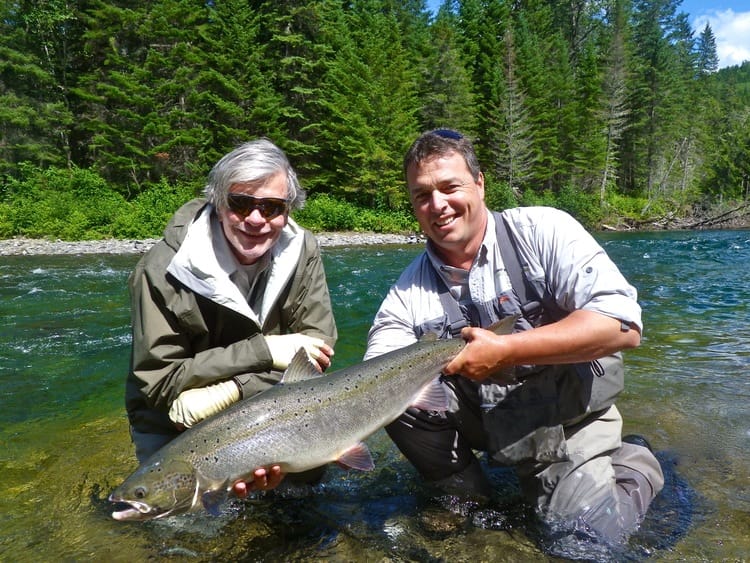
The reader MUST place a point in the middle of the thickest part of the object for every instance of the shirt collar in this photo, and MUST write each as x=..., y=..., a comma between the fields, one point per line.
x=452, y=275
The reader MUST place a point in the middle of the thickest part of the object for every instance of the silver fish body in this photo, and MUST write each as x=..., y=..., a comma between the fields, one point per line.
x=303, y=422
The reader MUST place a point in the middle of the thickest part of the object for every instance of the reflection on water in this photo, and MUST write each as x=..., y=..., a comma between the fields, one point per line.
x=64, y=444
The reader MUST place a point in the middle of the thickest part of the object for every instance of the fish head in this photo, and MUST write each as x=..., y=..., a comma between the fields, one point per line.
x=157, y=489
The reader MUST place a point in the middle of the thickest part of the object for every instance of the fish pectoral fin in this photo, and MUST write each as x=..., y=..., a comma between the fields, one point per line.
x=357, y=457
x=213, y=499
x=432, y=397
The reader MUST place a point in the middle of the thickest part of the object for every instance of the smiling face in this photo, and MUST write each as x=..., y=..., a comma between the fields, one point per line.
x=449, y=205
x=252, y=236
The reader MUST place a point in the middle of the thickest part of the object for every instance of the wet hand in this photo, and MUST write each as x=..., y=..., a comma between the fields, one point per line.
x=482, y=357
x=263, y=480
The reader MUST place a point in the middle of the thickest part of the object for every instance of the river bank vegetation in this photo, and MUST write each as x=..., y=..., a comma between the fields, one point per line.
x=112, y=113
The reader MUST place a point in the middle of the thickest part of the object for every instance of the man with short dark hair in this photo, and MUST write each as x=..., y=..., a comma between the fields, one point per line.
x=540, y=399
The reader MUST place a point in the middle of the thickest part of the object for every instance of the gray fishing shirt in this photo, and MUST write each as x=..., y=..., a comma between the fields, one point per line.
x=561, y=257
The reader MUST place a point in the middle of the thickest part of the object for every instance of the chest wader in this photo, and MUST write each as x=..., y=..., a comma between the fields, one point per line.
x=524, y=421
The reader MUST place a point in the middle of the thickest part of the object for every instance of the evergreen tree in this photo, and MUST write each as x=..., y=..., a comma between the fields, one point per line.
x=687, y=115
x=447, y=99
x=657, y=133
x=517, y=158
x=483, y=25
x=36, y=39
x=726, y=139
x=370, y=104
x=297, y=45
x=614, y=108
x=546, y=76
x=708, y=59
x=116, y=95
x=591, y=132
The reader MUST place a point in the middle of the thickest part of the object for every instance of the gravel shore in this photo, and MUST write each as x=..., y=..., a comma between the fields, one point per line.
x=29, y=247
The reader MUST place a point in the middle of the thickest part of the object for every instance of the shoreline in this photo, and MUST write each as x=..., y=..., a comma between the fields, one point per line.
x=22, y=246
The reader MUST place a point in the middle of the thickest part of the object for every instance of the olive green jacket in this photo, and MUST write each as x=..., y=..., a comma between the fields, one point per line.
x=192, y=327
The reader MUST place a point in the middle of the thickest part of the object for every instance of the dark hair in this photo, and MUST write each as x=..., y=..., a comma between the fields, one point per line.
x=442, y=142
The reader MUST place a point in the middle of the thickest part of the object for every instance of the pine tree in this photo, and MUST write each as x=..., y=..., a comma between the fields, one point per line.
x=591, y=132
x=370, y=103
x=117, y=109
x=708, y=59
x=614, y=108
x=517, y=158
x=447, y=99
x=36, y=40
x=482, y=30
x=294, y=37
x=546, y=76
x=658, y=132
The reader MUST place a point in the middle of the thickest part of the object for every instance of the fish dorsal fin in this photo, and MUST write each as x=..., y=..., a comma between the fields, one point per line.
x=505, y=325
x=428, y=337
x=300, y=368
x=432, y=397
x=356, y=457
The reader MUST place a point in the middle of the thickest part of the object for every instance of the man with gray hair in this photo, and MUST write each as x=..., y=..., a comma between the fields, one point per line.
x=222, y=303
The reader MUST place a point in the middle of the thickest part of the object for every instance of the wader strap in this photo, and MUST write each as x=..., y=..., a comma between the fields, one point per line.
x=537, y=306
x=530, y=307
x=455, y=316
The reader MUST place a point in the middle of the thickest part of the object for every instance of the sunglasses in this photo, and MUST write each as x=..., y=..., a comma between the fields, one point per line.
x=448, y=134
x=269, y=207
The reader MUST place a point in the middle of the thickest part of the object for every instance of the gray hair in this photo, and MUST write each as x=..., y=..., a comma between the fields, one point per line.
x=442, y=142
x=252, y=162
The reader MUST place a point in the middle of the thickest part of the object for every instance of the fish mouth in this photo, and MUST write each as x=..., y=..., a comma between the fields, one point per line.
x=132, y=510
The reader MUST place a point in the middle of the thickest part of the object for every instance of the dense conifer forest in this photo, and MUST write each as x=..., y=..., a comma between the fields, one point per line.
x=112, y=113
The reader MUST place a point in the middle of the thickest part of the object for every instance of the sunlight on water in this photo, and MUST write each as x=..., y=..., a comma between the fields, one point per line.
x=692, y=371
x=64, y=441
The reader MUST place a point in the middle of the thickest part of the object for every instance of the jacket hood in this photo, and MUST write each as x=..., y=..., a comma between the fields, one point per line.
x=204, y=263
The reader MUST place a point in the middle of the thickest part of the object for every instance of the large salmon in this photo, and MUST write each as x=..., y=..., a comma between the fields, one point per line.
x=303, y=422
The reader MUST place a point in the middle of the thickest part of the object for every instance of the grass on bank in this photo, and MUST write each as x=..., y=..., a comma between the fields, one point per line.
x=77, y=204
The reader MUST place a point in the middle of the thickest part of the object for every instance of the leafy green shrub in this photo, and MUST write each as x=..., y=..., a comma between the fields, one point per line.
x=626, y=206
x=635, y=210
x=498, y=195
x=78, y=204
x=6, y=223
x=147, y=215
x=65, y=203
x=582, y=205
x=326, y=213
x=532, y=198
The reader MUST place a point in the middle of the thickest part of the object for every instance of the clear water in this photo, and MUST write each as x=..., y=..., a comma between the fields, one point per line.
x=64, y=345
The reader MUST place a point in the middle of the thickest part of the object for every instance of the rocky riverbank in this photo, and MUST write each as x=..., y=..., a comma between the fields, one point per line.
x=737, y=217
x=28, y=247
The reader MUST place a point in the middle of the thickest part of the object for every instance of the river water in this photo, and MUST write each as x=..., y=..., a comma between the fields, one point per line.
x=64, y=345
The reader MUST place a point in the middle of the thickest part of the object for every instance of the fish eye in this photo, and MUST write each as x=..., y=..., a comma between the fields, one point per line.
x=140, y=492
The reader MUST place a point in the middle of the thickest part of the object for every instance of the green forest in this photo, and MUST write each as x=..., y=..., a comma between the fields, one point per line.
x=112, y=113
